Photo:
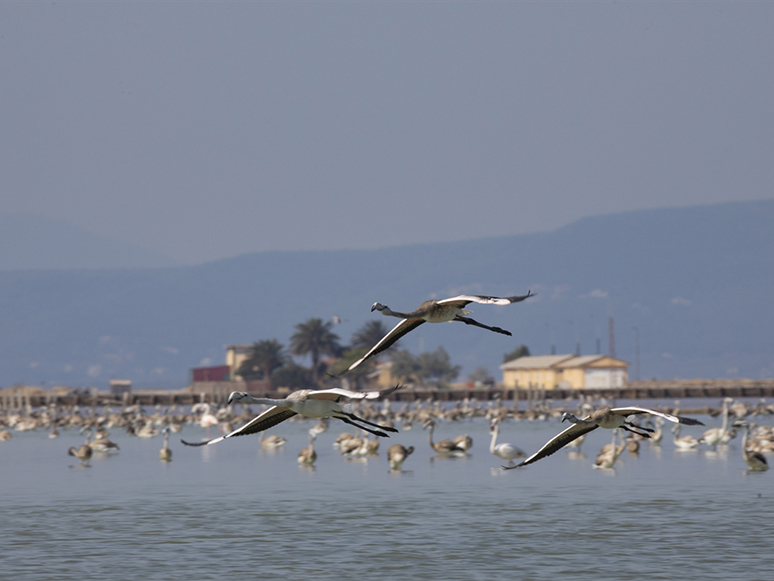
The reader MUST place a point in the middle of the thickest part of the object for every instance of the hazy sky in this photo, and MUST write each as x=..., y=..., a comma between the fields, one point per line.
x=209, y=129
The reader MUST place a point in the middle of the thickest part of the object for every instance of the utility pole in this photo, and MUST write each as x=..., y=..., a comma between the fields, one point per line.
x=596, y=334
x=577, y=339
x=611, y=333
x=636, y=352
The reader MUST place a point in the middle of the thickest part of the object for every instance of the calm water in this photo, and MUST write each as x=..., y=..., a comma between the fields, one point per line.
x=233, y=511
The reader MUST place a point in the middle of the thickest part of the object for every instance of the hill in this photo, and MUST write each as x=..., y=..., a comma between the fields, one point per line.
x=29, y=242
x=695, y=282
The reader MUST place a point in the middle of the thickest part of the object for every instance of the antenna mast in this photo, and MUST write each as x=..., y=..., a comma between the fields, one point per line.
x=611, y=333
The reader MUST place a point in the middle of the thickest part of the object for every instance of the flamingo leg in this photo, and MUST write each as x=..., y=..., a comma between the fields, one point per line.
x=356, y=418
x=639, y=427
x=469, y=321
x=643, y=434
x=350, y=422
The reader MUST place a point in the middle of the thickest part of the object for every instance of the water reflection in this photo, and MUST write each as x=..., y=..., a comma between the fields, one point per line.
x=576, y=455
x=400, y=472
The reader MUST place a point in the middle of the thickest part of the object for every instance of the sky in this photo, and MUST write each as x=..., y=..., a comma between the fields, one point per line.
x=204, y=130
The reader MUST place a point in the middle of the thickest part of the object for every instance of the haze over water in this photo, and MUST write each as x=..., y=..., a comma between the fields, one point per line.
x=234, y=511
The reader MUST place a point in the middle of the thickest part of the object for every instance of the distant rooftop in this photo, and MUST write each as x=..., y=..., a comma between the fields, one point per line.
x=554, y=361
x=537, y=361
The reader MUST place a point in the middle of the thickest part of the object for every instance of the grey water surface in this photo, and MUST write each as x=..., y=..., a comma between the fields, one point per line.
x=235, y=511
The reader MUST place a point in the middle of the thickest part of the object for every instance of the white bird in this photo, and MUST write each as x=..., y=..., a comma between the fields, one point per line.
x=456, y=447
x=443, y=311
x=464, y=442
x=609, y=454
x=320, y=427
x=372, y=446
x=683, y=442
x=165, y=454
x=271, y=442
x=342, y=439
x=307, y=456
x=305, y=402
x=354, y=447
x=505, y=451
x=657, y=434
x=397, y=454
x=714, y=436
x=148, y=431
x=609, y=418
x=633, y=445
x=82, y=452
x=755, y=460
x=104, y=446
x=208, y=419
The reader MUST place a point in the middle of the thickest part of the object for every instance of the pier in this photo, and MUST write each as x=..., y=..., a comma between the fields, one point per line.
x=20, y=397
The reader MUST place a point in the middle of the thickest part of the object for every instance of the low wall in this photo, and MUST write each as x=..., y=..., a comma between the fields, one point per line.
x=683, y=389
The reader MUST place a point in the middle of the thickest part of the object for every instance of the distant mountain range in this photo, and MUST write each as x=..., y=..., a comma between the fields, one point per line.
x=693, y=283
x=29, y=242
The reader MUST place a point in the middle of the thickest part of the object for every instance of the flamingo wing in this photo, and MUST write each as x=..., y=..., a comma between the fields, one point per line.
x=559, y=441
x=271, y=417
x=676, y=419
x=405, y=326
x=463, y=300
x=335, y=393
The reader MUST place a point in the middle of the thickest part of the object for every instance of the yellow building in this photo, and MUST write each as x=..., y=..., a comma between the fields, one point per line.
x=565, y=372
x=383, y=375
x=235, y=356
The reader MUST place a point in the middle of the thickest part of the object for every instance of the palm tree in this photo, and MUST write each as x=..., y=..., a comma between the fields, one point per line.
x=315, y=338
x=362, y=340
x=293, y=376
x=369, y=335
x=265, y=357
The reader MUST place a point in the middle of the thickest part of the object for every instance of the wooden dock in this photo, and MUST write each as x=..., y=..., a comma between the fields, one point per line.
x=16, y=398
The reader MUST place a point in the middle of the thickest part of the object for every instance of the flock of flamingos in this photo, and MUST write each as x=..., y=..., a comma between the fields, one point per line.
x=375, y=417
x=378, y=421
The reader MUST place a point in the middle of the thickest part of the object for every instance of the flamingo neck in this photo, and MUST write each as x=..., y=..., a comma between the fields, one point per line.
x=725, y=418
x=263, y=400
x=575, y=420
x=495, y=432
x=388, y=312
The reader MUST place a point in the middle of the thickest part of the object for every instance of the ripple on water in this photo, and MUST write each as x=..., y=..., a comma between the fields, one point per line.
x=239, y=514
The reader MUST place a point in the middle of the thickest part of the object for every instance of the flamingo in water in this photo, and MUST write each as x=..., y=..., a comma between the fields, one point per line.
x=505, y=451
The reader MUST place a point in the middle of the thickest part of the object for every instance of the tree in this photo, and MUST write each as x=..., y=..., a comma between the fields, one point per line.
x=265, y=357
x=362, y=341
x=404, y=366
x=293, y=376
x=434, y=365
x=481, y=375
x=358, y=375
x=315, y=338
x=437, y=365
x=520, y=351
x=369, y=335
